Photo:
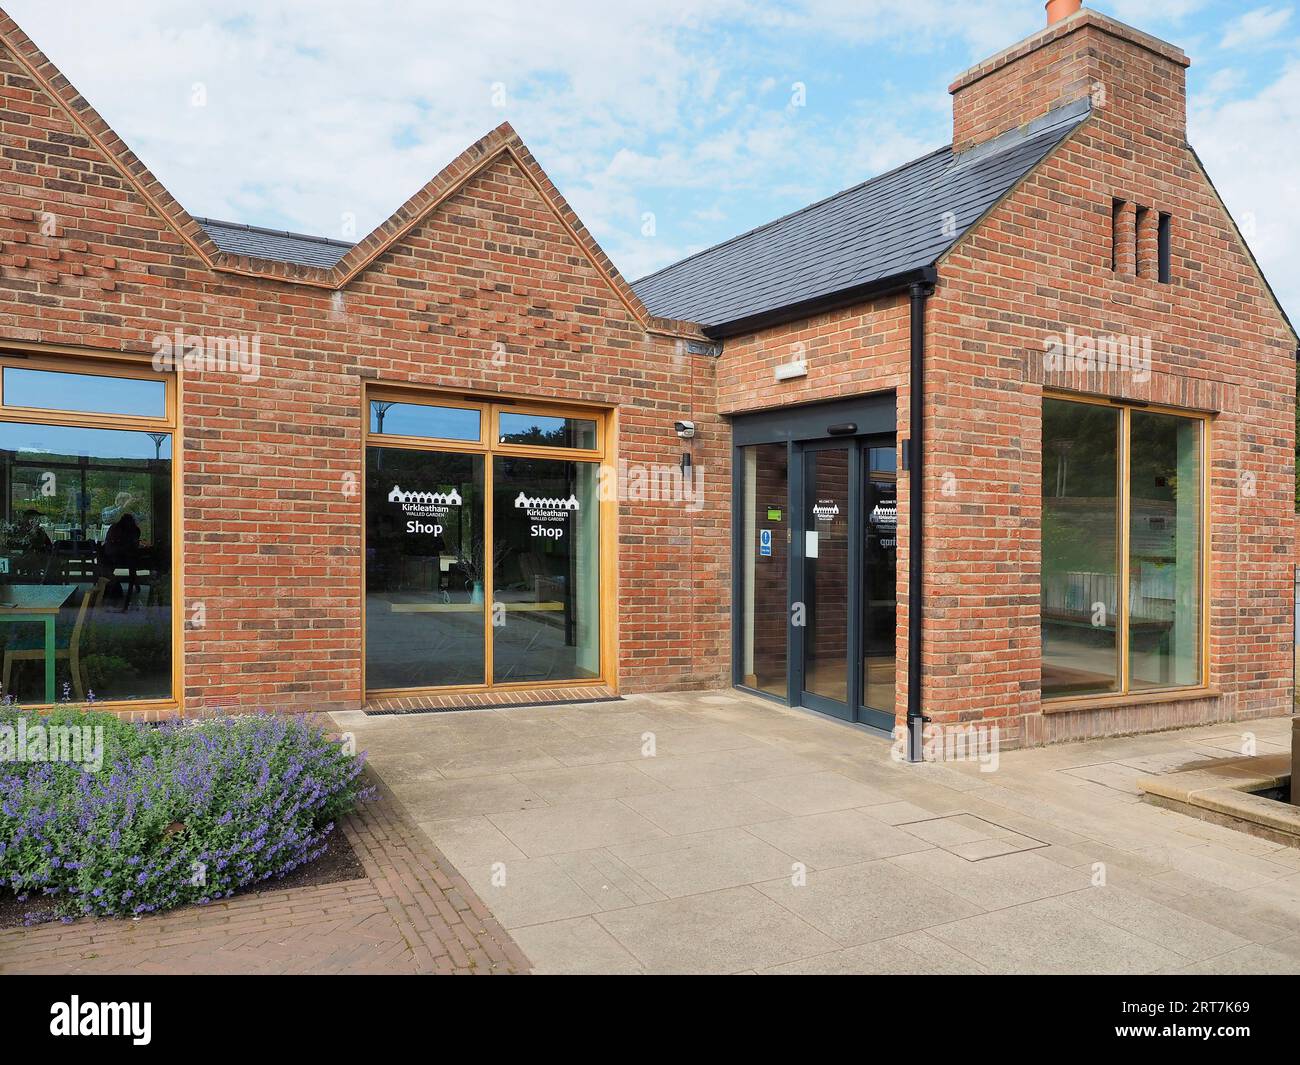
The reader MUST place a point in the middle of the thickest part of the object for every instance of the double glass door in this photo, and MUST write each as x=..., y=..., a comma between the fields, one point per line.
x=483, y=546
x=818, y=575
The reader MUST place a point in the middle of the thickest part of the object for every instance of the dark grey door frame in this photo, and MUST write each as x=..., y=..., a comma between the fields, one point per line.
x=859, y=423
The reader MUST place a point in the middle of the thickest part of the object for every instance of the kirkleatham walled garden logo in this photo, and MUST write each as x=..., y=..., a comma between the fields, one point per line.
x=549, y=515
x=426, y=499
x=416, y=505
x=530, y=503
x=826, y=510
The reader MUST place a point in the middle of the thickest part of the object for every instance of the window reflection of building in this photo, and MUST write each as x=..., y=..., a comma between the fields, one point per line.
x=536, y=574
x=1085, y=517
x=87, y=520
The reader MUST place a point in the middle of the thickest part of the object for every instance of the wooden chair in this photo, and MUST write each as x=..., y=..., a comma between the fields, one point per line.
x=72, y=652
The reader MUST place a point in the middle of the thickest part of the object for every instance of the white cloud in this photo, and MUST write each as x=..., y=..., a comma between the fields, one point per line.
x=316, y=111
x=1257, y=27
x=317, y=108
x=1251, y=147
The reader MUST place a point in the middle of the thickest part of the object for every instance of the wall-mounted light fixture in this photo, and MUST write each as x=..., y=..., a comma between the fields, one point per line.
x=685, y=431
x=788, y=370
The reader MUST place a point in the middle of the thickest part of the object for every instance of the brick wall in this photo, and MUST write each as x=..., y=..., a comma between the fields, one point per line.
x=849, y=352
x=272, y=541
x=1040, y=264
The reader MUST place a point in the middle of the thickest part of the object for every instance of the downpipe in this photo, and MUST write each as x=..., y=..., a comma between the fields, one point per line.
x=919, y=291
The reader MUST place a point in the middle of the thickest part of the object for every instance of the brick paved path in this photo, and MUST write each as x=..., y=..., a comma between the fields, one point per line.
x=413, y=913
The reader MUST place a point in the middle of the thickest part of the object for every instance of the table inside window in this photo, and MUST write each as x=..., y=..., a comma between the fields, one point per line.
x=37, y=603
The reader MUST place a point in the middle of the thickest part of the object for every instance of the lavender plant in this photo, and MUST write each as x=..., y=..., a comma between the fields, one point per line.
x=179, y=813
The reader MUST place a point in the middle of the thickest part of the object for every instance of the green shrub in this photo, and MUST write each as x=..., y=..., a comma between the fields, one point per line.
x=177, y=813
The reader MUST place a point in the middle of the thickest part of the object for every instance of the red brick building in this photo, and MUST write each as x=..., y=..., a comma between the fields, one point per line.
x=464, y=462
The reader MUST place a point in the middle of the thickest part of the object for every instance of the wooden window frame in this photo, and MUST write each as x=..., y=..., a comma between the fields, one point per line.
x=603, y=456
x=1127, y=695
x=379, y=395
x=99, y=364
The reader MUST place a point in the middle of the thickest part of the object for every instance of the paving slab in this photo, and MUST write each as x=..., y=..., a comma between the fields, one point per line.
x=908, y=955
x=685, y=861
x=1049, y=937
x=873, y=900
x=719, y=932
x=842, y=837
x=700, y=809
x=576, y=947
x=574, y=827
x=706, y=861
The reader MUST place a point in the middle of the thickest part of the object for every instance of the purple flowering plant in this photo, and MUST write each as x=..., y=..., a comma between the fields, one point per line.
x=183, y=812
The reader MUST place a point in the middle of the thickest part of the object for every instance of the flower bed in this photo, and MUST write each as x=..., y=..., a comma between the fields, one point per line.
x=178, y=813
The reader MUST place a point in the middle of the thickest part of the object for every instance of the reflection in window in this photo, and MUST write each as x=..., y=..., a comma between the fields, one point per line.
x=543, y=431
x=765, y=559
x=423, y=419
x=86, y=539
x=1083, y=514
x=546, y=577
x=425, y=565
x=1080, y=564
x=1164, y=551
x=84, y=393
x=879, y=578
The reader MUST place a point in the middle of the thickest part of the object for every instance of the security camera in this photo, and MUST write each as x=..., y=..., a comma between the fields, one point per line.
x=685, y=430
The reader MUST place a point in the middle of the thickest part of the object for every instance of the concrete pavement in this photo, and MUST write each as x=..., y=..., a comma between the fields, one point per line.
x=718, y=832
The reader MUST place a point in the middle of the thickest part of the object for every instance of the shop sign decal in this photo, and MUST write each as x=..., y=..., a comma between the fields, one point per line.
x=417, y=505
x=884, y=514
x=547, y=513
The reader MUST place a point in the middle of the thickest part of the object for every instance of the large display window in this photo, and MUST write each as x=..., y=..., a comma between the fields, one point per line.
x=87, y=538
x=1123, y=549
x=484, y=545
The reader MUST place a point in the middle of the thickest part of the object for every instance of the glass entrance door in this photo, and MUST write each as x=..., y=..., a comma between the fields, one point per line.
x=847, y=540
x=879, y=584
x=827, y=525
x=816, y=578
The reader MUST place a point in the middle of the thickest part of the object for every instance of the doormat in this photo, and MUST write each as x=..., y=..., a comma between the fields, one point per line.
x=490, y=706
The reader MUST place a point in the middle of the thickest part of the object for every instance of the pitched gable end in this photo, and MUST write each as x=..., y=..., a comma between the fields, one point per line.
x=51, y=81
x=502, y=141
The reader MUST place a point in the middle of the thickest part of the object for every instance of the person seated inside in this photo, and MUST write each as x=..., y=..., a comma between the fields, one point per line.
x=37, y=538
x=122, y=551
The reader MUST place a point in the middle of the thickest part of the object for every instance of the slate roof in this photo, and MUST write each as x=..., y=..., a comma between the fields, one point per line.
x=891, y=225
x=278, y=244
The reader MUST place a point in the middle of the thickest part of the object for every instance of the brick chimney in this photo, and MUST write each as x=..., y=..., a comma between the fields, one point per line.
x=1139, y=79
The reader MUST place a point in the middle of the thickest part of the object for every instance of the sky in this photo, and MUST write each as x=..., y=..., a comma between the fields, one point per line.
x=669, y=125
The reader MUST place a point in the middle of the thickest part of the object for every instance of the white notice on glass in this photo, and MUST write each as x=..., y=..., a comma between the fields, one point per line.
x=810, y=545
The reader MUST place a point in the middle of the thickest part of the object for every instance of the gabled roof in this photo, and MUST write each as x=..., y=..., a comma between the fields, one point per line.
x=235, y=238
x=300, y=260
x=889, y=227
